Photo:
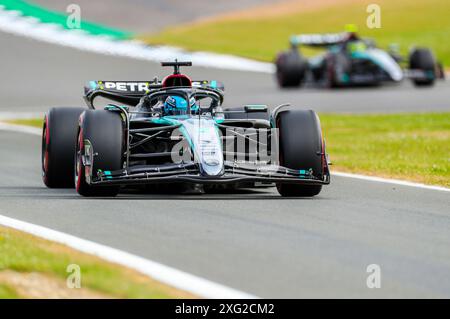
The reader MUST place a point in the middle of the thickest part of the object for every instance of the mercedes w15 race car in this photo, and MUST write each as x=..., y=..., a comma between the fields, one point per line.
x=349, y=60
x=175, y=131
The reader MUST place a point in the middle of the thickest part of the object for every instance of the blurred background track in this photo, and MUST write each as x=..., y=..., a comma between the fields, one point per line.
x=37, y=75
x=151, y=15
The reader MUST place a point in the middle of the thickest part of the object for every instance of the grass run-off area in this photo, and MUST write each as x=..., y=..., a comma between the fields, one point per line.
x=260, y=34
x=31, y=267
x=410, y=146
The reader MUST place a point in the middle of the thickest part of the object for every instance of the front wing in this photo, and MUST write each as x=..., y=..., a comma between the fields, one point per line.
x=190, y=173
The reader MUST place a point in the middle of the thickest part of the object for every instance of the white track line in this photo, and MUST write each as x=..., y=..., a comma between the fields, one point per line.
x=13, y=22
x=390, y=181
x=167, y=275
x=30, y=130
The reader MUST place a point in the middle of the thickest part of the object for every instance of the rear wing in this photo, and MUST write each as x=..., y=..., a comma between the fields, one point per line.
x=318, y=40
x=126, y=92
x=130, y=92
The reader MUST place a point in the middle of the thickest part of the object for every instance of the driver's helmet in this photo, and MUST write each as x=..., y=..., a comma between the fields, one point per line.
x=176, y=105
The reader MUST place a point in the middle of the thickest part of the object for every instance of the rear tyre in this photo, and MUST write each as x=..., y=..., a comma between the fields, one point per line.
x=59, y=136
x=104, y=130
x=290, y=69
x=423, y=59
x=301, y=147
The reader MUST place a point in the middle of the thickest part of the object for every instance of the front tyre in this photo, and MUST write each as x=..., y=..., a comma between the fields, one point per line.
x=423, y=59
x=301, y=147
x=104, y=131
x=290, y=69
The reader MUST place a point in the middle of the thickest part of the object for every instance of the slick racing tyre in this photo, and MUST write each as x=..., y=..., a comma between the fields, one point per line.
x=423, y=59
x=59, y=136
x=290, y=69
x=104, y=131
x=301, y=147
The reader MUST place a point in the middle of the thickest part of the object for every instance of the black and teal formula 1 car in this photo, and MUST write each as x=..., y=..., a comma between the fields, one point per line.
x=175, y=131
x=349, y=60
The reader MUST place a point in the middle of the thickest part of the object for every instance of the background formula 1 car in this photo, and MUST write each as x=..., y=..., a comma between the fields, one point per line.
x=175, y=131
x=352, y=61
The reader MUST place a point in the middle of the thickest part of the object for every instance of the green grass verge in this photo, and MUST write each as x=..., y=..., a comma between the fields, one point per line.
x=23, y=253
x=29, y=122
x=413, y=147
x=406, y=22
x=410, y=146
x=7, y=292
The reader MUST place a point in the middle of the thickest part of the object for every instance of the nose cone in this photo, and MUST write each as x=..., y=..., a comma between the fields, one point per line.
x=386, y=62
x=206, y=145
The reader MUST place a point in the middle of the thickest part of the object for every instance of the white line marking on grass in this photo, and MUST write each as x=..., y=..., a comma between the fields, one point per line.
x=36, y=131
x=167, y=275
x=12, y=22
x=390, y=181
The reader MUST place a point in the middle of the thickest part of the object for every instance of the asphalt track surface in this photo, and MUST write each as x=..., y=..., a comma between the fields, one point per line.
x=36, y=76
x=254, y=241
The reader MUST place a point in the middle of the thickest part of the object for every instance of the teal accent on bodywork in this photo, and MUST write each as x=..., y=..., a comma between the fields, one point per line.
x=175, y=120
x=360, y=55
x=293, y=40
x=335, y=49
x=161, y=121
x=169, y=120
x=93, y=84
x=108, y=174
x=345, y=78
x=111, y=107
x=213, y=84
x=303, y=173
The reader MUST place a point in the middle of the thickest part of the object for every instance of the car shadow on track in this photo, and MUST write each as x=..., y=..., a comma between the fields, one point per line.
x=40, y=192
